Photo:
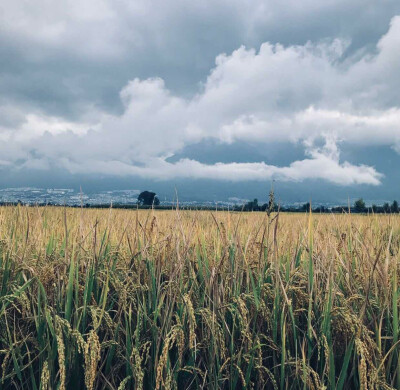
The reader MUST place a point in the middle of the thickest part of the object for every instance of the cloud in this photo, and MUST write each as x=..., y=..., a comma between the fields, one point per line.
x=64, y=57
x=377, y=128
x=298, y=93
x=323, y=164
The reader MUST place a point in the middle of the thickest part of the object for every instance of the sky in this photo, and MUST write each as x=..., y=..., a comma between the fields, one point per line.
x=216, y=98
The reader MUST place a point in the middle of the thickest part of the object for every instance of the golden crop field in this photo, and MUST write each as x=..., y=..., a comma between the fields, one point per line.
x=125, y=299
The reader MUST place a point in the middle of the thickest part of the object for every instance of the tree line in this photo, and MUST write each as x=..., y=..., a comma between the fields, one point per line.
x=149, y=199
x=359, y=206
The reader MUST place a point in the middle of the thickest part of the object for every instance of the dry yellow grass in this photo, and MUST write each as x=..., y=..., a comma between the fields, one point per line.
x=113, y=299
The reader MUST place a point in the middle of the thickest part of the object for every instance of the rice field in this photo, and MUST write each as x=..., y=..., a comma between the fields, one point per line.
x=125, y=299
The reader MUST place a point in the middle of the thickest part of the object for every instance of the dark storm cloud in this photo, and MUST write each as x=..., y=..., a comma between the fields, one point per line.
x=62, y=57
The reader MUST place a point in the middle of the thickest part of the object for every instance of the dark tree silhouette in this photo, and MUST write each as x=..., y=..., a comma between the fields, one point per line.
x=255, y=204
x=359, y=206
x=251, y=206
x=395, y=207
x=148, y=198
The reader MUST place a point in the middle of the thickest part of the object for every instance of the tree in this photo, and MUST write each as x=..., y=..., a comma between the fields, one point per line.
x=321, y=209
x=252, y=205
x=386, y=207
x=395, y=207
x=359, y=206
x=148, y=198
x=255, y=204
x=306, y=207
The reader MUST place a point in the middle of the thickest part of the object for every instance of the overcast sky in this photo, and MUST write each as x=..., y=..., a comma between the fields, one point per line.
x=230, y=93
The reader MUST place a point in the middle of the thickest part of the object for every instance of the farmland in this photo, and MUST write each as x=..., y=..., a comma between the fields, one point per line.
x=125, y=299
